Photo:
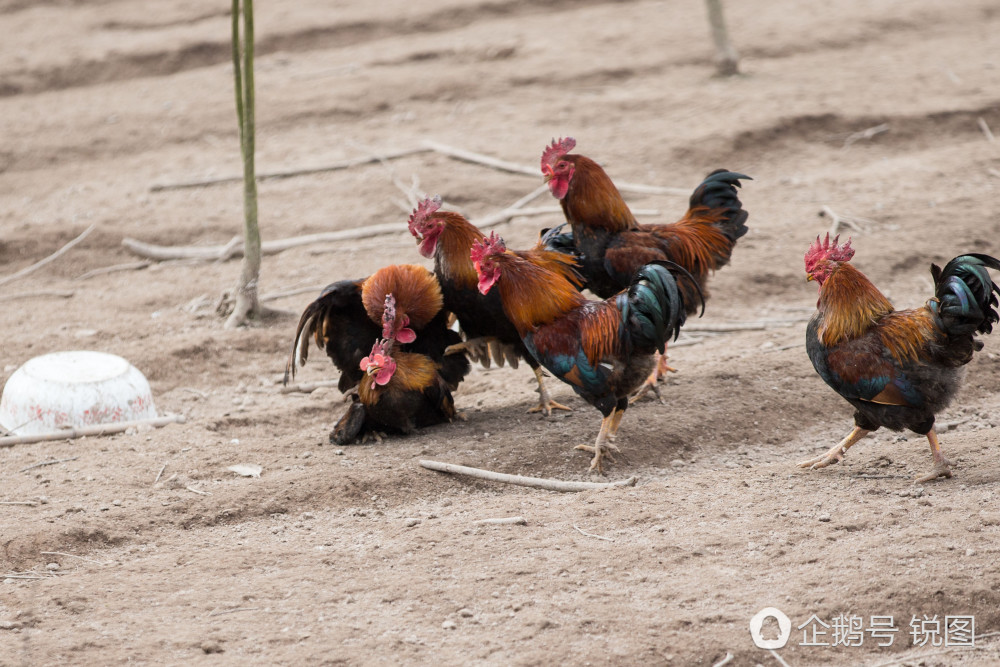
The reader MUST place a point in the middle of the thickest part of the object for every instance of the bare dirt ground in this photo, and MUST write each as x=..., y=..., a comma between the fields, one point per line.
x=356, y=554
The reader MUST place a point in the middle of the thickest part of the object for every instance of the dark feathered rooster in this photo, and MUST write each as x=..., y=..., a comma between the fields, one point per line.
x=398, y=303
x=448, y=237
x=401, y=391
x=602, y=349
x=898, y=368
x=611, y=245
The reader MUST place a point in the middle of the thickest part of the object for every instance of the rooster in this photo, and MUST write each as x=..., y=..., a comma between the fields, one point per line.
x=401, y=391
x=395, y=303
x=448, y=237
x=898, y=368
x=602, y=349
x=612, y=246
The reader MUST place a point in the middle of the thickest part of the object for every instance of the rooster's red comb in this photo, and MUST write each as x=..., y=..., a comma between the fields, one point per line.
x=828, y=250
x=555, y=151
x=424, y=209
x=488, y=246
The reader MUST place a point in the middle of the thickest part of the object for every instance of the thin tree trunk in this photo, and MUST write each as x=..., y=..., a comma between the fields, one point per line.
x=727, y=60
x=247, y=304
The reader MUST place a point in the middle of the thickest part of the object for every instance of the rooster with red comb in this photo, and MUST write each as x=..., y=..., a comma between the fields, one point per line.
x=898, y=368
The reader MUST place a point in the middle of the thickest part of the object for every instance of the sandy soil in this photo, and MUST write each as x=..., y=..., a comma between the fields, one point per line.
x=356, y=554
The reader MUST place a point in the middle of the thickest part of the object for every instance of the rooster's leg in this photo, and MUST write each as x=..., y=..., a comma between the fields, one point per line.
x=616, y=421
x=661, y=369
x=545, y=403
x=942, y=466
x=837, y=452
x=601, y=448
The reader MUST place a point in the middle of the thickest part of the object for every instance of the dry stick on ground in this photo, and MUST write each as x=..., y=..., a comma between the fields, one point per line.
x=760, y=325
x=282, y=294
x=307, y=388
x=505, y=521
x=779, y=658
x=30, y=503
x=60, y=553
x=335, y=166
x=514, y=168
x=725, y=661
x=865, y=134
x=48, y=463
x=534, y=482
x=850, y=221
x=986, y=130
x=599, y=537
x=129, y=266
x=51, y=258
x=83, y=431
x=218, y=612
x=727, y=60
x=198, y=491
x=160, y=474
x=34, y=294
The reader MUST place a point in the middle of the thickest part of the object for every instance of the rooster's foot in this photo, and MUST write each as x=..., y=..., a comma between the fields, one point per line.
x=601, y=452
x=835, y=455
x=546, y=407
x=941, y=469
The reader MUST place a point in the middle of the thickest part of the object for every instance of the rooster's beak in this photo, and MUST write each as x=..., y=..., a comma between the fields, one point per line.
x=809, y=278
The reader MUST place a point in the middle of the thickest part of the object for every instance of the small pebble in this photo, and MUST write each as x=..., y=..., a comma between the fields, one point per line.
x=339, y=452
x=52, y=567
x=465, y=612
x=970, y=552
x=116, y=503
x=211, y=647
x=677, y=463
x=824, y=517
x=411, y=522
x=449, y=625
x=308, y=515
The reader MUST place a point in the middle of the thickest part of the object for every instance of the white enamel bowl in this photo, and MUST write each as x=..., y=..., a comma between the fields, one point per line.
x=73, y=389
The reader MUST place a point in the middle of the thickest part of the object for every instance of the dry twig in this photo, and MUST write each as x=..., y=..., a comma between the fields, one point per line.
x=160, y=474
x=514, y=168
x=128, y=266
x=83, y=431
x=198, y=491
x=30, y=503
x=725, y=661
x=48, y=463
x=60, y=553
x=534, y=482
x=505, y=521
x=34, y=294
x=759, y=325
x=220, y=612
x=777, y=657
x=850, y=221
x=599, y=537
x=307, y=388
x=336, y=166
x=865, y=134
x=51, y=258
x=986, y=130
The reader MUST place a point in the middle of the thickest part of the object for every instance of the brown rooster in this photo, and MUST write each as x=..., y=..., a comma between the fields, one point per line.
x=612, y=245
x=448, y=237
x=602, y=349
x=401, y=303
x=898, y=368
